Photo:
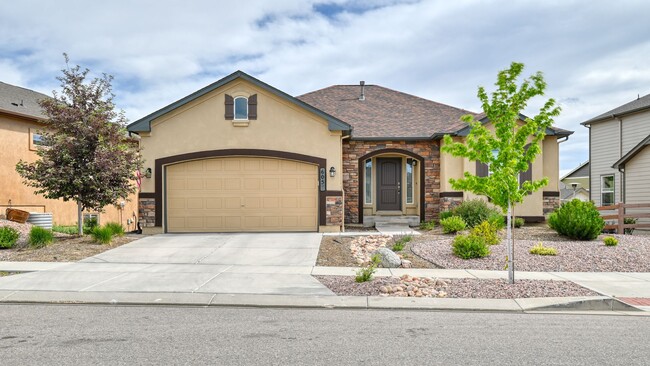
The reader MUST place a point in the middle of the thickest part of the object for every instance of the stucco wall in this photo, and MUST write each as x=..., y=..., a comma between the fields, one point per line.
x=15, y=143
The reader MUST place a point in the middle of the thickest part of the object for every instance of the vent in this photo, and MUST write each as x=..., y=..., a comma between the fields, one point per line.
x=363, y=91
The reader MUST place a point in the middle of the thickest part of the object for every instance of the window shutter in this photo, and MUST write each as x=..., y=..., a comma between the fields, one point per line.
x=230, y=108
x=481, y=169
x=252, y=107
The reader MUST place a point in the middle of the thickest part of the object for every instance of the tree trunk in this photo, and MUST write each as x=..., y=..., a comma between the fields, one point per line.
x=510, y=246
x=80, y=224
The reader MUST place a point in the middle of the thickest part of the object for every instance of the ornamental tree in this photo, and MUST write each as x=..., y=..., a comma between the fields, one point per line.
x=89, y=157
x=508, y=149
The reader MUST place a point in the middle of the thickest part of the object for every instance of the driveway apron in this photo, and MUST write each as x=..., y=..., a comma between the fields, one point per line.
x=238, y=263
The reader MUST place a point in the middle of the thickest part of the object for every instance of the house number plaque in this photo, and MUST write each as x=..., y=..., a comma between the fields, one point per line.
x=321, y=179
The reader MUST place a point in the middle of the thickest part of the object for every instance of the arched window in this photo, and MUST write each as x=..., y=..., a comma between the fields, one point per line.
x=241, y=108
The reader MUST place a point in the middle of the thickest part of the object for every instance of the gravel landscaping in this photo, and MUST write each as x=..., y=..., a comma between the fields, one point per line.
x=459, y=288
x=632, y=254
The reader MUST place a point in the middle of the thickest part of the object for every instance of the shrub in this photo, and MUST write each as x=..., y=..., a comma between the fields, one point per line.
x=90, y=225
x=39, y=237
x=498, y=220
x=470, y=246
x=474, y=211
x=519, y=222
x=365, y=274
x=629, y=220
x=8, y=237
x=72, y=230
x=446, y=214
x=488, y=231
x=577, y=220
x=400, y=242
x=428, y=225
x=540, y=249
x=452, y=224
x=116, y=228
x=610, y=241
x=102, y=235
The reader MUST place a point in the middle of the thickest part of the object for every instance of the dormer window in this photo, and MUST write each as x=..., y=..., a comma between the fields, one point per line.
x=241, y=108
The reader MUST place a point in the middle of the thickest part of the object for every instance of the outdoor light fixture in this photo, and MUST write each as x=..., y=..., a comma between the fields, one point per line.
x=147, y=173
x=332, y=171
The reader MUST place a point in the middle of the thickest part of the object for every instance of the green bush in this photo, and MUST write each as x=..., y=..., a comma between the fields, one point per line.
x=8, y=237
x=39, y=237
x=488, y=231
x=427, y=225
x=446, y=214
x=474, y=211
x=540, y=249
x=610, y=241
x=498, y=220
x=102, y=235
x=519, y=222
x=116, y=228
x=400, y=241
x=452, y=224
x=365, y=274
x=90, y=225
x=470, y=246
x=577, y=220
x=629, y=220
x=71, y=230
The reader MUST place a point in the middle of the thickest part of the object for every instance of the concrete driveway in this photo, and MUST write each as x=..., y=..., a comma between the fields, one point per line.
x=266, y=263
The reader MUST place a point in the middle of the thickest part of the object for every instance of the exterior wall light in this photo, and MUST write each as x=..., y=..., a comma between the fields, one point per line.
x=332, y=171
x=147, y=173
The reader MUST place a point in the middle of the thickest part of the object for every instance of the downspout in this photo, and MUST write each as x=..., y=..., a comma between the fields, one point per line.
x=620, y=155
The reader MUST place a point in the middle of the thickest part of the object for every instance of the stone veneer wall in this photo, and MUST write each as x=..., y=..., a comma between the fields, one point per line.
x=551, y=203
x=449, y=203
x=353, y=150
x=147, y=212
x=334, y=211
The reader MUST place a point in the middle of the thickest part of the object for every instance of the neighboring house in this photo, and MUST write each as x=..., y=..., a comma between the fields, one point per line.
x=619, y=154
x=21, y=120
x=241, y=155
x=575, y=184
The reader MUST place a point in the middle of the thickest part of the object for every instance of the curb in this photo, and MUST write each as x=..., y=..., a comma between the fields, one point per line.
x=565, y=305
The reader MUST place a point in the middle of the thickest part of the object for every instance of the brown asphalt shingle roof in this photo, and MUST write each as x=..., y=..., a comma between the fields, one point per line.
x=21, y=101
x=386, y=113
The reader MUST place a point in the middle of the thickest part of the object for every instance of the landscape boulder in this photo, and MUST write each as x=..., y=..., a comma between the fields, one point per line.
x=388, y=258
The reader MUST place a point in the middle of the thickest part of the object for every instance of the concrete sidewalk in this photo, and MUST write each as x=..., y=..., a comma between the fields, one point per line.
x=193, y=284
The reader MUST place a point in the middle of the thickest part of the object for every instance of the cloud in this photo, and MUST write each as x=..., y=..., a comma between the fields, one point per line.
x=594, y=57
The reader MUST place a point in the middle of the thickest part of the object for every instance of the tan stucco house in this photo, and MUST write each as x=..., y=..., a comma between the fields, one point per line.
x=241, y=155
x=21, y=120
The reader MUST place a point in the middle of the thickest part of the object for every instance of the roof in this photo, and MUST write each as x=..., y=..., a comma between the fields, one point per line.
x=581, y=170
x=637, y=105
x=385, y=113
x=567, y=192
x=388, y=114
x=20, y=101
x=144, y=124
x=630, y=154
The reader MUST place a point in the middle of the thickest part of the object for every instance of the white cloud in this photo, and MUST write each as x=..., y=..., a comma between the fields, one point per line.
x=594, y=57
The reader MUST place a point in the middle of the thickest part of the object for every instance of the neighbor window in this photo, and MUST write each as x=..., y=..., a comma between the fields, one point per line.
x=241, y=108
x=368, y=178
x=35, y=139
x=607, y=190
x=409, y=180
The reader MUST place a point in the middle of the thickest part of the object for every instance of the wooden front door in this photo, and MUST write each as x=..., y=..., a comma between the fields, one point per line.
x=389, y=180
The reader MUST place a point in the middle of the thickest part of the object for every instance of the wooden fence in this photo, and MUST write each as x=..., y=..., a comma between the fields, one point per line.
x=620, y=215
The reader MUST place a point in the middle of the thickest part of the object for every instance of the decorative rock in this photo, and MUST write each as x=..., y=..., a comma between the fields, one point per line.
x=383, y=289
x=388, y=258
x=406, y=263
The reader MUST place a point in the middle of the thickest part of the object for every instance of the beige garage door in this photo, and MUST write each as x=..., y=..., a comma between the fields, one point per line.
x=241, y=194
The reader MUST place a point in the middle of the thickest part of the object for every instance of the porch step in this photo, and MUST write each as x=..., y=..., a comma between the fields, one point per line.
x=371, y=221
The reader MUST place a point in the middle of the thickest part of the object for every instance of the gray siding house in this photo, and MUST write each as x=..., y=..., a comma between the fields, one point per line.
x=619, y=154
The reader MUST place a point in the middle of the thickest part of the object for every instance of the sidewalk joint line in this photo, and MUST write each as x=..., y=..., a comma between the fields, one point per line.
x=100, y=282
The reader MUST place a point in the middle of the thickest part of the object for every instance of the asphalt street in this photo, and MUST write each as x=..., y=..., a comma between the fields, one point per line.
x=121, y=335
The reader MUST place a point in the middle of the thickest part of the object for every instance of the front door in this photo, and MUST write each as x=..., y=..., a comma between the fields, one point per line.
x=389, y=180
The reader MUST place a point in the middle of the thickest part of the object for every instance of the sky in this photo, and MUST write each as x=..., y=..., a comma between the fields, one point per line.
x=595, y=55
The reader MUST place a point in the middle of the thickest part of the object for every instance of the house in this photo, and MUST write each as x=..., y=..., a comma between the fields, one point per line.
x=575, y=184
x=21, y=121
x=619, y=155
x=241, y=155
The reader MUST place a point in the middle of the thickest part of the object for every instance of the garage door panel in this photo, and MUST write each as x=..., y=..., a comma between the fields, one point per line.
x=241, y=194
